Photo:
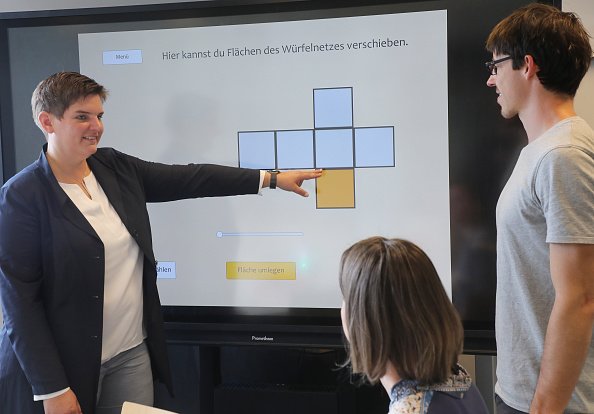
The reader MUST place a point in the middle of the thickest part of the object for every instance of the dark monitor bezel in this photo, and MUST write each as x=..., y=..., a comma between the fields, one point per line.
x=236, y=325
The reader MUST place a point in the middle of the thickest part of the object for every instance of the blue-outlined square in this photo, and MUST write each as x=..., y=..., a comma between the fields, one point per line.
x=333, y=108
x=295, y=149
x=374, y=147
x=334, y=148
x=256, y=150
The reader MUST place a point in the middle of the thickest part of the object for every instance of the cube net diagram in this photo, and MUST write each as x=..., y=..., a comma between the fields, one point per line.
x=334, y=144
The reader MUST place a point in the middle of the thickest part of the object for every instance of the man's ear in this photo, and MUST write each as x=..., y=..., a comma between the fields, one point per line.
x=46, y=122
x=530, y=67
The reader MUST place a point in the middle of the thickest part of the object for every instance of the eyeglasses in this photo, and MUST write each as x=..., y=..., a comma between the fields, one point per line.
x=492, y=65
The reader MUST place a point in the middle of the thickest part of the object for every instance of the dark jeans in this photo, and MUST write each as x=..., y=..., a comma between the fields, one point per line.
x=503, y=408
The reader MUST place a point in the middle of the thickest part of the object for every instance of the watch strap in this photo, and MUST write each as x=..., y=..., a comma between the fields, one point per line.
x=273, y=174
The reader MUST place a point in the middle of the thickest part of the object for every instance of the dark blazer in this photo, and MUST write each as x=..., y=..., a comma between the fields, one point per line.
x=52, y=271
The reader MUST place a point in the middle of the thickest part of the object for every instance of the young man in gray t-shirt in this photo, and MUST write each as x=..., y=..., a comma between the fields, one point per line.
x=545, y=217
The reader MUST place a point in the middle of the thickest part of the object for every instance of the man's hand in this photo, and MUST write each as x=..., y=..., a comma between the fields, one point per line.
x=292, y=180
x=62, y=404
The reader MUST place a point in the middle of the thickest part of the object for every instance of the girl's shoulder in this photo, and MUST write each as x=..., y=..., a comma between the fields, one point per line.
x=407, y=398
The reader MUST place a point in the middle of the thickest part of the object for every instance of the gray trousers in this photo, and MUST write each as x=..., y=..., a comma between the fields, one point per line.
x=503, y=408
x=125, y=377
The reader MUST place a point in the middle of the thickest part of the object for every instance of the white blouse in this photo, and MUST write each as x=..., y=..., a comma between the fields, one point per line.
x=122, y=303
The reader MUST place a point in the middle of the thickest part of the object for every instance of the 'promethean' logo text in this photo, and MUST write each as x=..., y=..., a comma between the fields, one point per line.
x=262, y=338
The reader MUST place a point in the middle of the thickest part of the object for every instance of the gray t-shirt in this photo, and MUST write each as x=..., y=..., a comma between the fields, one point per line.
x=549, y=198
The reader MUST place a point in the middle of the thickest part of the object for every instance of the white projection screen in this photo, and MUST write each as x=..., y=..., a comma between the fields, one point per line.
x=364, y=97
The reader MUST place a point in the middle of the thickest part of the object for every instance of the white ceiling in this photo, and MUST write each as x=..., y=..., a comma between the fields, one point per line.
x=31, y=5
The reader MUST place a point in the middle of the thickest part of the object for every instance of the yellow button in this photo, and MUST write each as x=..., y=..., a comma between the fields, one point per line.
x=261, y=270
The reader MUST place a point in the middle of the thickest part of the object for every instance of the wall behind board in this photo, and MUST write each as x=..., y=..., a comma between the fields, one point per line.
x=584, y=100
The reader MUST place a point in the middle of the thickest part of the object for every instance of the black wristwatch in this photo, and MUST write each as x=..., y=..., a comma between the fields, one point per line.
x=273, y=174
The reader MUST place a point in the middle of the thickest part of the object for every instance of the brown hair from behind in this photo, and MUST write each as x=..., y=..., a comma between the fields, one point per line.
x=60, y=90
x=397, y=310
